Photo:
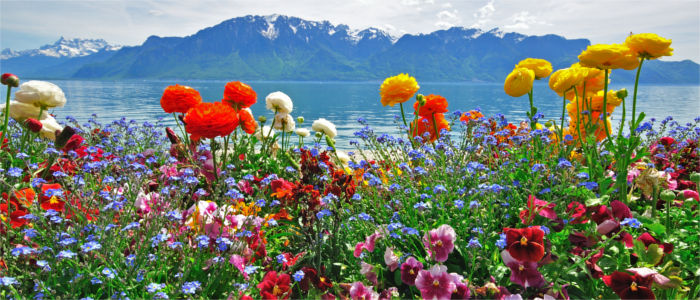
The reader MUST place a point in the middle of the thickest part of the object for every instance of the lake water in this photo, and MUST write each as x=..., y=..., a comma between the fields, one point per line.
x=344, y=102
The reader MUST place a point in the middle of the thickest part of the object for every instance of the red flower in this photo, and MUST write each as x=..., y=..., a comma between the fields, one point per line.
x=239, y=95
x=210, y=120
x=629, y=286
x=525, y=244
x=577, y=213
x=471, y=115
x=274, y=287
x=434, y=104
x=248, y=123
x=426, y=125
x=50, y=197
x=73, y=143
x=536, y=206
x=15, y=216
x=179, y=98
x=33, y=124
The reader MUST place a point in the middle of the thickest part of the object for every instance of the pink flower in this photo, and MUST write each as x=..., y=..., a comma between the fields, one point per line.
x=409, y=270
x=523, y=273
x=440, y=242
x=691, y=194
x=435, y=283
x=368, y=271
x=239, y=262
x=368, y=244
x=461, y=288
x=390, y=259
x=360, y=291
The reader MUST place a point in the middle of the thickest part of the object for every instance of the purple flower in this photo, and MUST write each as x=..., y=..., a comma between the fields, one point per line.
x=435, y=283
x=368, y=244
x=523, y=273
x=409, y=270
x=360, y=291
x=440, y=242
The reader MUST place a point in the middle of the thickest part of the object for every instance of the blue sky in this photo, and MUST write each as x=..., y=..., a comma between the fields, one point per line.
x=29, y=24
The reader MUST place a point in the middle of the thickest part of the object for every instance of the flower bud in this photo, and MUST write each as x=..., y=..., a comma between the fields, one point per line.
x=668, y=195
x=10, y=79
x=174, y=139
x=622, y=94
x=330, y=142
x=262, y=119
x=300, y=119
x=33, y=124
x=695, y=177
x=421, y=100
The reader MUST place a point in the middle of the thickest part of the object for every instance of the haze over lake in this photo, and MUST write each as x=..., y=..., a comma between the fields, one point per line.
x=344, y=102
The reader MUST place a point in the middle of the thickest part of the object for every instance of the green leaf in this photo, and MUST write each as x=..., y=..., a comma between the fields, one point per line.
x=597, y=201
x=657, y=228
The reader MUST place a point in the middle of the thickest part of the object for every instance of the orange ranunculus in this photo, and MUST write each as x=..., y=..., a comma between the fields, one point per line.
x=422, y=125
x=209, y=120
x=612, y=56
x=179, y=98
x=471, y=115
x=239, y=95
x=398, y=89
x=434, y=104
x=649, y=45
x=247, y=122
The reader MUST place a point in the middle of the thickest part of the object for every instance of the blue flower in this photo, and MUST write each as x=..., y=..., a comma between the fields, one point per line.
x=459, y=204
x=474, y=204
x=161, y=295
x=631, y=222
x=298, y=275
x=474, y=243
x=154, y=287
x=190, y=287
x=24, y=250
x=44, y=265
x=589, y=185
x=130, y=226
x=323, y=213
x=14, y=172
x=89, y=246
x=7, y=281
x=109, y=273
x=501, y=243
x=281, y=259
x=96, y=280
x=65, y=254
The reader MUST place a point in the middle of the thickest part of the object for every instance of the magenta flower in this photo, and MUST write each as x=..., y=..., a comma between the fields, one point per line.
x=435, y=283
x=368, y=244
x=368, y=271
x=524, y=273
x=390, y=259
x=409, y=270
x=440, y=242
x=360, y=291
x=461, y=288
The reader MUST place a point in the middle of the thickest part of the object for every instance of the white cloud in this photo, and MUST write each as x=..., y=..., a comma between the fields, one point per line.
x=483, y=14
x=523, y=20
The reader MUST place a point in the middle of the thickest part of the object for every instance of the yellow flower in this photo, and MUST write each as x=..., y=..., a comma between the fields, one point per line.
x=649, y=45
x=594, y=80
x=519, y=82
x=564, y=79
x=398, y=89
x=541, y=67
x=612, y=56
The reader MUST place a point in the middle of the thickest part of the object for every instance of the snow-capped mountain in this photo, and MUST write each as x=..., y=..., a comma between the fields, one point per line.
x=64, y=48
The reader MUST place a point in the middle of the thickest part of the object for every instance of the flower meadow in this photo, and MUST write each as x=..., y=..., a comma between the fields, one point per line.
x=456, y=205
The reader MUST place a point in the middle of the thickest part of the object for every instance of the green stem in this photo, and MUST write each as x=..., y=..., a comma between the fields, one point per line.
x=437, y=134
x=532, y=110
x=563, y=112
x=605, y=108
x=213, y=157
x=402, y=115
x=634, y=97
x=3, y=134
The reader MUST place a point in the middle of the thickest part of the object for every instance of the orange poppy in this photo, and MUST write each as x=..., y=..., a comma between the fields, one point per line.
x=248, y=123
x=471, y=115
x=423, y=125
x=209, y=120
x=434, y=104
x=179, y=98
x=239, y=95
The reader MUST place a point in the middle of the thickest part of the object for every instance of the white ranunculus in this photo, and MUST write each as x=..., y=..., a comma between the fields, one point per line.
x=302, y=132
x=22, y=111
x=284, y=122
x=266, y=131
x=325, y=126
x=48, y=130
x=41, y=94
x=342, y=156
x=279, y=102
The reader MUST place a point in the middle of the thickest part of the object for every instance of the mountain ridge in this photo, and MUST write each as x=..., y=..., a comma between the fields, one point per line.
x=278, y=47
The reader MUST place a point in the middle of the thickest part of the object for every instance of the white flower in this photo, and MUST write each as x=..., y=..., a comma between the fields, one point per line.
x=266, y=131
x=342, y=156
x=48, y=130
x=41, y=94
x=302, y=132
x=22, y=111
x=279, y=102
x=284, y=122
x=325, y=126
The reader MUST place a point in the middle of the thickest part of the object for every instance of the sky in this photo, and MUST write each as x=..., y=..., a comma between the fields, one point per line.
x=28, y=24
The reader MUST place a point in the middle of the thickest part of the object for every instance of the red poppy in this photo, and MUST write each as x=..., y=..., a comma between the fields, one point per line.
x=525, y=244
x=434, y=104
x=274, y=287
x=209, y=120
x=49, y=199
x=248, y=123
x=630, y=286
x=423, y=125
x=179, y=98
x=239, y=95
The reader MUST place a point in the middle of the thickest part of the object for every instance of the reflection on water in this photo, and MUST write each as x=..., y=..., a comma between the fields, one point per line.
x=344, y=102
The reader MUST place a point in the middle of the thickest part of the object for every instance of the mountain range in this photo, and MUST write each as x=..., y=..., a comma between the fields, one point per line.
x=288, y=48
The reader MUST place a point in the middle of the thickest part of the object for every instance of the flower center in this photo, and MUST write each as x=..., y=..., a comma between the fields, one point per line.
x=53, y=200
x=436, y=283
x=521, y=267
x=523, y=241
x=633, y=286
x=411, y=272
x=438, y=243
x=276, y=290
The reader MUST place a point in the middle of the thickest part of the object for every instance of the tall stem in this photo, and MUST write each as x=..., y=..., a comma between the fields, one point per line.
x=532, y=110
x=402, y=115
x=3, y=134
x=213, y=157
x=605, y=107
x=563, y=112
x=634, y=97
x=437, y=134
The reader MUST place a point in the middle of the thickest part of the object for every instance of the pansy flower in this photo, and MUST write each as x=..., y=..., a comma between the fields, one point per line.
x=440, y=242
x=525, y=244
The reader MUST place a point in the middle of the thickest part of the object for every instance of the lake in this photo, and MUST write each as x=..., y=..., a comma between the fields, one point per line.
x=344, y=102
